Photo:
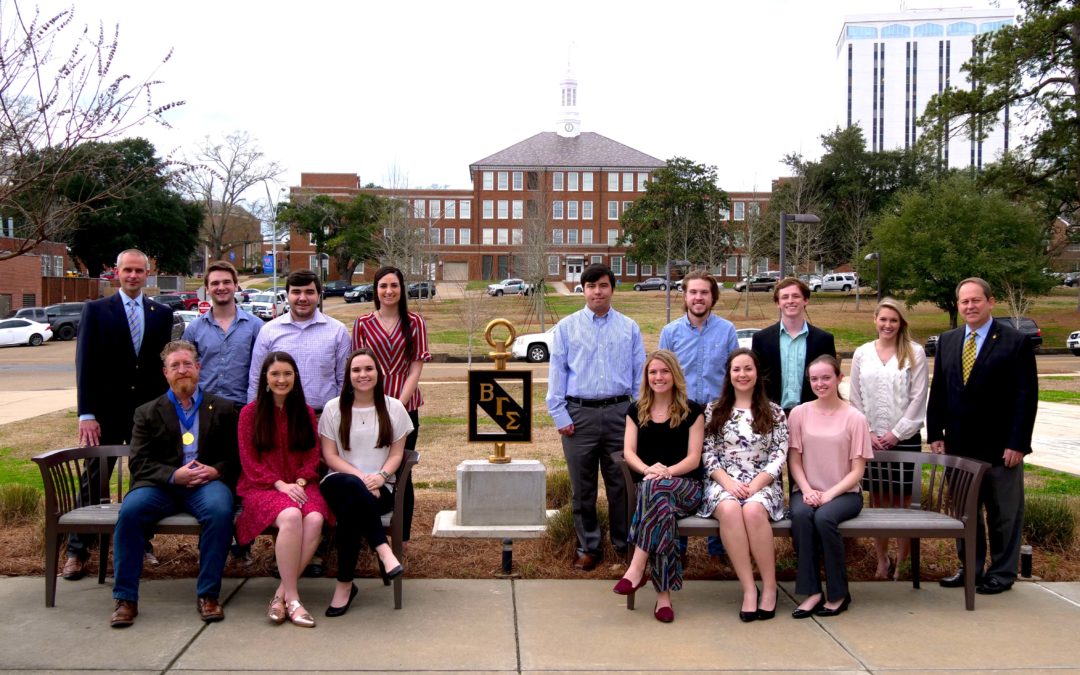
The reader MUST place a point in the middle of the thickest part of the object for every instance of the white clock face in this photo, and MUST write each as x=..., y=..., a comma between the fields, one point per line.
x=569, y=126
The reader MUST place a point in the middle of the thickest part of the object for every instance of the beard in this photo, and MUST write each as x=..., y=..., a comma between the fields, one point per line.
x=183, y=386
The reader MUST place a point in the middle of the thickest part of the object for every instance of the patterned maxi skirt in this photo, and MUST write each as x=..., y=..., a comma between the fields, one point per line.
x=660, y=503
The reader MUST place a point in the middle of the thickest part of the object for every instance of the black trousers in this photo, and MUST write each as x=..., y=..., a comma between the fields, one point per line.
x=1001, y=499
x=410, y=496
x=814, y=529
x=359, y=516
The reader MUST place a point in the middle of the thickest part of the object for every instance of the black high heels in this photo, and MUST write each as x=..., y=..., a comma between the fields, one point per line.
x=747, y=617
x=332, y=611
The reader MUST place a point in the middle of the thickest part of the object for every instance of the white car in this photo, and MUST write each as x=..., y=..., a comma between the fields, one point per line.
x=187, y=315
x=24, y=332
x=263, y=306
x=534, y=347
x=840, y=281
x=746, y=336
x=1073, y=342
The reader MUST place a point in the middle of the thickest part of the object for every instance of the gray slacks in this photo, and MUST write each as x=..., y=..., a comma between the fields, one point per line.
x=819, y=528
x=598, y=432
x=1001, y=497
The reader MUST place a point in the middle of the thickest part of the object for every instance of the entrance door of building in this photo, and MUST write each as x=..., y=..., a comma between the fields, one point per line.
x=573, y=269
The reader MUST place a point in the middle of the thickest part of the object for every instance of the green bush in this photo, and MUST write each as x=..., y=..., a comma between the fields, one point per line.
x=560, y=529
x=19, y=503
x=558, y=488
x=1049, y=521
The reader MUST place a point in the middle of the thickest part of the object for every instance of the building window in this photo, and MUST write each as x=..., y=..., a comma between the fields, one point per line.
x=435, y=236
x=487, y=236
x=465, y=236
x=625, y=206
x=516, y=177
x=586, y=236
x=732, y=266
x=517, y=211
x=586, y=210
x=755, y=209
x=504, y=209
x=503, y=237
x=418, y=208
x=533, y=208
x=503, y=180
x=557, y=181
x=586, y=181
x=724, y=214
x=616, y=265
x=553, y=265
x=489, y=180
x=596, y=260
x=435, y=208
x=631, y=268
x=450, y=208
x=613, y=181
x=613, y=210
x=516, y=237
x=489, y=209
x=556, y=236
x=646, y=270
x=534, y=180
x=571, y=236
x=642, y=178
x=612, y=237
x=740, y=210
x=572, y=181
x=557, y=210
x=466, y=209
x=449, y=235
x=571, y=210
x=628, y=182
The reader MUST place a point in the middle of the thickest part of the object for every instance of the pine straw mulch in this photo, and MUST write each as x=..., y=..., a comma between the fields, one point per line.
x=431, y=558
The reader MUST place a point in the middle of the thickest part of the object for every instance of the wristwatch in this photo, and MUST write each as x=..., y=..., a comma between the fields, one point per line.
x=385, y=476
x=301, y=482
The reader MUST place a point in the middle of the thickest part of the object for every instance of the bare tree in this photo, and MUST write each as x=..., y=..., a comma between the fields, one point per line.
x=404, y=241
x=1018, y=299
x=221, y=172
x=475, y=312
x=858, y=231
x=753, y=236
x=57, y=91
x=535, y=245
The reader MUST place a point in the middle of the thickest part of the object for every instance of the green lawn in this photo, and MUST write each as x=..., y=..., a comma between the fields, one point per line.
x=1052, y=396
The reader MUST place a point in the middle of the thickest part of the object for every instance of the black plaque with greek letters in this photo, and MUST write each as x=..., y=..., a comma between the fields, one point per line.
x=500, y=406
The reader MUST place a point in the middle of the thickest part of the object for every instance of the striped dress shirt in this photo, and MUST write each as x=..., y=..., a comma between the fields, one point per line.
x=389, y=348
x=593, y=357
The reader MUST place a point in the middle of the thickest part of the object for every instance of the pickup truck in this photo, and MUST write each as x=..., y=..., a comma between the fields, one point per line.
x=263, y=305
x=64, y=318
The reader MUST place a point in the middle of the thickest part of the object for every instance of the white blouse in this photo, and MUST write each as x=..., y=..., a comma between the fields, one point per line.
x=892, y=399
x=363, y=433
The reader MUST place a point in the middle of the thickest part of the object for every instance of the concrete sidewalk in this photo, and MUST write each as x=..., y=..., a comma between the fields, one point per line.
x=540, y=626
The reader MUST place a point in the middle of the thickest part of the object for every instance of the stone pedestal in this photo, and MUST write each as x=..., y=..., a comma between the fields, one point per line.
x=511, y=494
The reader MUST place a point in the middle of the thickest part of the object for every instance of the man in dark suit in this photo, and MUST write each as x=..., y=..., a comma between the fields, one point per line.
x=184, y=458
x=117, y=368
x=982, y=405
x=789, y=345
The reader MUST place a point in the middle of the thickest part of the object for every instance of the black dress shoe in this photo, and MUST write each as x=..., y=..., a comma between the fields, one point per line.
x=992, y=587
x=954, y=581
x=807, y=613
x=332, y=611
x=825, y=611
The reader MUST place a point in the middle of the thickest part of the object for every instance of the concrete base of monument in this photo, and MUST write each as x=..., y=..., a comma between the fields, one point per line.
x=446, y=525
x=501, y=494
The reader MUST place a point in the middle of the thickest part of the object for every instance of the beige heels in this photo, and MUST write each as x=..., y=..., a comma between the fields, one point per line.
x=300, y=616
x=276, y=612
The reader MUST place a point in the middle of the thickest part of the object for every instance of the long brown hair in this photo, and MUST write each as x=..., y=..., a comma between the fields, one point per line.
x=903, y=336
x=760, y=408
x=403, y=310
x=348, y=397
x=301, y=433
x=680, y=405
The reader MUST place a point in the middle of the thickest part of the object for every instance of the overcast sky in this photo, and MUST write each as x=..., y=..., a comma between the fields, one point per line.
x=433, y=86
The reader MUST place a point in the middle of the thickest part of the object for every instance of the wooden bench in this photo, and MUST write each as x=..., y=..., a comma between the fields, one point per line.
x=63, y=470
x=944, y=505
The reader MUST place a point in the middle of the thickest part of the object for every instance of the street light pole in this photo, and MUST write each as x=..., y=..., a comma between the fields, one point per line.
x=785, y=218
x=876, y=255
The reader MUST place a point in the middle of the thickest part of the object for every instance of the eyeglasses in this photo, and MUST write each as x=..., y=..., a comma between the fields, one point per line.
x=181, y=365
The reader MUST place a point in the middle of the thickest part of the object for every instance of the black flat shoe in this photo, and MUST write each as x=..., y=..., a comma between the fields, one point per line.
x=992, y=587
x=953, y=581
x=825, y=611
x=387, y=577
x=807, y=613
x=332, y=611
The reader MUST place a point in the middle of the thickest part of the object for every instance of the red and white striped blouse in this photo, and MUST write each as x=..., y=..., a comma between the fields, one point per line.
x=389, y=350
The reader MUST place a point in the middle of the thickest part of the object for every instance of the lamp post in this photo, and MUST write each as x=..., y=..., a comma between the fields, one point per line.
x=273, y=235
x=876, y=255
x=785, y=218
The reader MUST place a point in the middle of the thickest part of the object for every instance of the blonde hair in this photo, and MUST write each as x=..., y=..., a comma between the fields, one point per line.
x=903, y=336
x=680, y=405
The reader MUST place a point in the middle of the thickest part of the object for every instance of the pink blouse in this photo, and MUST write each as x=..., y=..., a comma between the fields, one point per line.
x=828, y=443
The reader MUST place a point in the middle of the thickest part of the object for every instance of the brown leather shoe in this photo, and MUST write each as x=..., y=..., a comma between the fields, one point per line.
x=124, y=614
x=74, y=569
x=210, y=610
x=586, y=562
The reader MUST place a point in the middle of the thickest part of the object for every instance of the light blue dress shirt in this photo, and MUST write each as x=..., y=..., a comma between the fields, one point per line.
x=792, y=365
x=702, y=353
x=593, y=357
x=225, y=356
x=980, y=336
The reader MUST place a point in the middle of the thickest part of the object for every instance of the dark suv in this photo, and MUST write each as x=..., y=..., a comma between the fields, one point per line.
x=422, y=289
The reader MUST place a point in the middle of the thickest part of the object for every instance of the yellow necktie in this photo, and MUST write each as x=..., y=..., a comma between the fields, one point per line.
x=968, y=360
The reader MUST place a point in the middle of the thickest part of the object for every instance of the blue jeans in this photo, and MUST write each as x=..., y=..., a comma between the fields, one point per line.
x=143, y=507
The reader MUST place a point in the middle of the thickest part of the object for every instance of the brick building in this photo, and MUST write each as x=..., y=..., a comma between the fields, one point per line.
x=21, y=277
x=567, y=188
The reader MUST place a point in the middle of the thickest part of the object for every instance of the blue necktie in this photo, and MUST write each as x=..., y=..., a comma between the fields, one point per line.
x=133, y=324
